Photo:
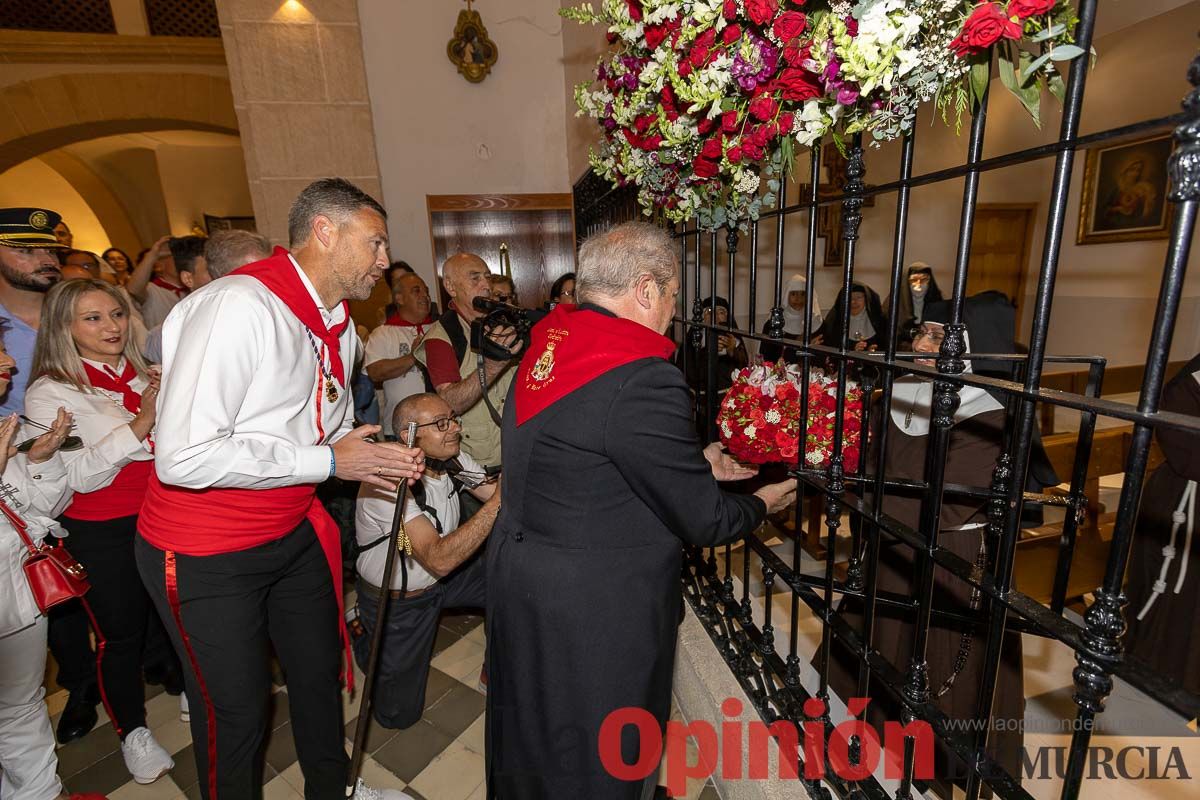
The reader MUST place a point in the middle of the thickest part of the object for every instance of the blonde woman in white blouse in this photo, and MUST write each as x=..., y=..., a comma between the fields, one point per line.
x=32, y=485
x=85, y=361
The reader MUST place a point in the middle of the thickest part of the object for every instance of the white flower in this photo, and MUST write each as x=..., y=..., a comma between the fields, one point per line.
x=726, y=431
x=773, y=416
x=749, y=431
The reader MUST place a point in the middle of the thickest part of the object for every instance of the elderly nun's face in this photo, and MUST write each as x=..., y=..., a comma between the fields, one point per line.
x=722, y=315
x=928, y=339
x=858, y=302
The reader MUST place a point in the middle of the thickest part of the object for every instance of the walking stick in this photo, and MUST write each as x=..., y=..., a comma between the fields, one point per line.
x=398, y=545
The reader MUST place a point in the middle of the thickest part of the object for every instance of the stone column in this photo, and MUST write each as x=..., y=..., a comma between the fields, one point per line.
x=300, y=92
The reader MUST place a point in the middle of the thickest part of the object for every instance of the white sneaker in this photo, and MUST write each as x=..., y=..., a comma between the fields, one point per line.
x=364, y=792
x=185, y=714
x=144, y=756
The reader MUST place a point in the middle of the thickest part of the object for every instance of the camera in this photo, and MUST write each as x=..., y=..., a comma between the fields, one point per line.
x=501, y=315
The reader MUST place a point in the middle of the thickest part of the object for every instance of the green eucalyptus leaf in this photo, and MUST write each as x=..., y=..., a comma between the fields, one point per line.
x=1029, y=71
x=1046, y=33
x=1066, y=52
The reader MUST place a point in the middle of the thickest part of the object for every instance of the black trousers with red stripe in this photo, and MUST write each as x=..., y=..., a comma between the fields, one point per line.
x=105, y=548
x=224, y=613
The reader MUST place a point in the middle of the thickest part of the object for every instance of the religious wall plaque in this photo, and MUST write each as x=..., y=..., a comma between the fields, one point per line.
x=471, y=50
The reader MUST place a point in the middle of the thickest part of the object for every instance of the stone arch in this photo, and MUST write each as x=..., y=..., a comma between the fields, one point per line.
x=43, y=114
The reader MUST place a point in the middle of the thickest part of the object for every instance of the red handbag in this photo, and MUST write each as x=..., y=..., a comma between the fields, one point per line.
x=54, y=575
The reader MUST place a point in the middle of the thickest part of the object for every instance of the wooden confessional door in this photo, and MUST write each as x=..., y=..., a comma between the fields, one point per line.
x=1000, y=249
x=539, y=230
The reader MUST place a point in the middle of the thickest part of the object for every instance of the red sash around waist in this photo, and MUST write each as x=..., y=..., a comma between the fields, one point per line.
x=121, y=498
x=206, y=522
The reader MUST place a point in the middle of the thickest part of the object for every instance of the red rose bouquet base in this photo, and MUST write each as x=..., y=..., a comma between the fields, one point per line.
x=759, y=420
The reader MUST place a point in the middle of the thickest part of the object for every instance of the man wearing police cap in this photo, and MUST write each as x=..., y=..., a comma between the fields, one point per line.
x=28, y=269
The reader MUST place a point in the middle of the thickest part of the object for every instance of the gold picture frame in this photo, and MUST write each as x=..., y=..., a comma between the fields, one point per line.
x=471, y=50
x=1124, y=197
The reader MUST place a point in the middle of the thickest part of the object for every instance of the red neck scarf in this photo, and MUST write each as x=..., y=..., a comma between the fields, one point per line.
x=103, y=379
x=179, y=291
x=401, y=322
x=279, y=275
x=572, y=346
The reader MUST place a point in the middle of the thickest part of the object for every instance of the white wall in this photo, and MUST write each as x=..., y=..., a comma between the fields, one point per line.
x=435, y=133
x=202, y=180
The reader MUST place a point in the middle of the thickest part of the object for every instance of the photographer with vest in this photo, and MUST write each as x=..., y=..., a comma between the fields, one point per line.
x=454, y=365
x=446, y=570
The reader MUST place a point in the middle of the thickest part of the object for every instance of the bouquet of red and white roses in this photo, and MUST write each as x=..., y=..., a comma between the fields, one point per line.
x=759, y=420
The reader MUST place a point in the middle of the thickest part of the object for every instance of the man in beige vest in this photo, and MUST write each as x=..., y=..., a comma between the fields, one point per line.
x=454, y=367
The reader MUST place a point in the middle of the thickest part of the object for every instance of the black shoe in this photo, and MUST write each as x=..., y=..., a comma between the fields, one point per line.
x=79, y=716
x=166, y=677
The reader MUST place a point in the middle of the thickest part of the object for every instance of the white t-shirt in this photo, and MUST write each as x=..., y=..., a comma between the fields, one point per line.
x=158, y=303
x=394, y=341
x=373, y=519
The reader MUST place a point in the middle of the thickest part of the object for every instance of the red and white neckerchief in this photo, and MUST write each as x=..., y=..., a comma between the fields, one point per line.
x=179, y=291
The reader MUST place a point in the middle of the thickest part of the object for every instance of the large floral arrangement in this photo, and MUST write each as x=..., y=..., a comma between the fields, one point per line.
x=703, y=101
x=759, y=419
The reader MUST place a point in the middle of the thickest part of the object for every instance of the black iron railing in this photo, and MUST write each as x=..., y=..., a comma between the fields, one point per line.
x=770, y=672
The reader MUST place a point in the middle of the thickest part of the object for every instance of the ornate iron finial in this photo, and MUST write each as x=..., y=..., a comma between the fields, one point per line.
x=696, y=334
x=731, y=238
x=1104, y=624
x=774, y=326
x=1184, y=164
x=852, y=205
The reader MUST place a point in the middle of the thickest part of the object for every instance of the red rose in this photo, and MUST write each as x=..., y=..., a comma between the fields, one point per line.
x=786, y=120
x=760, y=135
x=729, y=122
x=655, y=34
x=751, y=149
x=987, y=25
x=635, y=9
x=734, y=154
x=643, y=123
x=701, y=47
x=764, y=109
x=705, y=125
x=731, y=34
x=797, y=85
x=730, y=10
x=712, y=148
x=1024, y=9
x=705, y=168
x=667, y=97
x=790, y=24
x=852, y=26
x=761, y=11
x=651, y=142
x=796, y=52
x=685, y=69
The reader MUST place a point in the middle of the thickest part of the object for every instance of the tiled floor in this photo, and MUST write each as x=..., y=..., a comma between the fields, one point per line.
x=439, y=758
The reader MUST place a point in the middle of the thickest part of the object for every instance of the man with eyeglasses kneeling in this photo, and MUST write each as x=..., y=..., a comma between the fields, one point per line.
x=445, y=571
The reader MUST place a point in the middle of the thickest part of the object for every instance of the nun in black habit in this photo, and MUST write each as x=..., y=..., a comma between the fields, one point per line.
x=868, y=328
x=919, y=291
x=954, y=655
x=604, y=481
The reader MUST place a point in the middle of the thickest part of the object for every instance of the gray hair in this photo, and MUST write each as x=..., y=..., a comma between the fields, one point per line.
x=336, y=198
x=610, y=263
x=225, y=251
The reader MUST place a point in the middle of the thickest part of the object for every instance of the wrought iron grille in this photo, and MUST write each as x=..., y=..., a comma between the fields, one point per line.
x=182, y=18
x=769, y=672
x=78, y=16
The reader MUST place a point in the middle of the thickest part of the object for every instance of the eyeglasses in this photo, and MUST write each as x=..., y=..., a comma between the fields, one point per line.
x=935, y=337
x=443, y=423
